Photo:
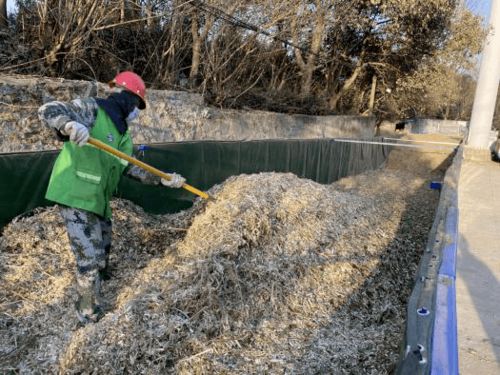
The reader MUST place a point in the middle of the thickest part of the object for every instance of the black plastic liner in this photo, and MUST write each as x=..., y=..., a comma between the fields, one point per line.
x=24, y=176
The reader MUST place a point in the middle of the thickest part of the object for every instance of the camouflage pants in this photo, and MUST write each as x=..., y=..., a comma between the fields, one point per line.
x=90, y=239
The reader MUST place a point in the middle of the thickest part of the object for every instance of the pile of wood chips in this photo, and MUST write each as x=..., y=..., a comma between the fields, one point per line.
x=277, y=275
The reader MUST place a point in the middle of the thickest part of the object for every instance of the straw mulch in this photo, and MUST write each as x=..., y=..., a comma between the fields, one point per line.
x=278, y=275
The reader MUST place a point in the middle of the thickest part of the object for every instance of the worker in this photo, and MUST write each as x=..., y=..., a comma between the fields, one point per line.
x=84, y=178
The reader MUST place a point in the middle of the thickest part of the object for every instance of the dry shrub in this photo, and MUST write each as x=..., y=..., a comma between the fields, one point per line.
x=277, y=274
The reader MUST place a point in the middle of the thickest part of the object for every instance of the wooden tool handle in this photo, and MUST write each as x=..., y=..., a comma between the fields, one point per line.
x=149, y=168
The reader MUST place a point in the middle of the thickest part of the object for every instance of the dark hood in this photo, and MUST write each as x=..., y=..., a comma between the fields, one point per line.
x=118, y=106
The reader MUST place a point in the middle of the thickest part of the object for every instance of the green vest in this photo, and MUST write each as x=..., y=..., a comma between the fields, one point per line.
x=86, y=177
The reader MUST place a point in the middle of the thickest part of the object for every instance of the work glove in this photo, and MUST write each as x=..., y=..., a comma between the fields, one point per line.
x=176, y=181
x=77, y=132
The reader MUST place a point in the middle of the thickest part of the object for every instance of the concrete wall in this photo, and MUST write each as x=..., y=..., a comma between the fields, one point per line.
x=170, y=116
x=432, y=126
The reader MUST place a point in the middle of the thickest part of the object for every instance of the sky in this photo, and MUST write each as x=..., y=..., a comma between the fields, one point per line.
x=481, y=7
x=10, y=5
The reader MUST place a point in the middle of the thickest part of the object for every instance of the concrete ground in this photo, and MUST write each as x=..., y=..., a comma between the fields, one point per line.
x=478, y=268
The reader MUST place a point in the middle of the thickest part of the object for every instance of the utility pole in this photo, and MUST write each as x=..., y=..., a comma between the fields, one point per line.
x=487, y=85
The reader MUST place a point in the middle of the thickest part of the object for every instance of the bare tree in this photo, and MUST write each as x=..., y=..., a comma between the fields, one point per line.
x=3, y=14
x=313, y=16
x=381, y=57
x=441, y=86
x=199, y=33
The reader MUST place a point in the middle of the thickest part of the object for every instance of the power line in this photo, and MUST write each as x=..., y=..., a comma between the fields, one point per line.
x=218, y=13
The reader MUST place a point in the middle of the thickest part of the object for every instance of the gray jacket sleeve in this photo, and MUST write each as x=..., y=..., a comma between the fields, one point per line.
x=142, y=175
x=57, y=114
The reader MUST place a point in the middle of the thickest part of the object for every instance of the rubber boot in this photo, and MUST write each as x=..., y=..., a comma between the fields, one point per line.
x=87, y=311
x=88, y=306
x=105, y=273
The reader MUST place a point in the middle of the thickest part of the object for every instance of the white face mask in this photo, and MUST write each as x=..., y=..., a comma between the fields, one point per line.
x=133, y=115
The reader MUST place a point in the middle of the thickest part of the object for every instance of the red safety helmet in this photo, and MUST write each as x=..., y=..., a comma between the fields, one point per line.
x=132, y=83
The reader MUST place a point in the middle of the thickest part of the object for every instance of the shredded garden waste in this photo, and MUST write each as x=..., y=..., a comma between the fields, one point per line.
x=277, y=275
